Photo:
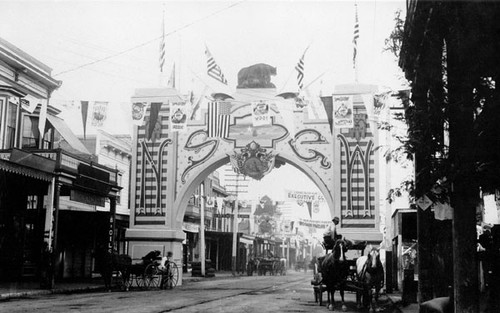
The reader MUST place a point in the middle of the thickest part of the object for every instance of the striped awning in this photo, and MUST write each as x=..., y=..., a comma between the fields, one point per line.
x=10, y=167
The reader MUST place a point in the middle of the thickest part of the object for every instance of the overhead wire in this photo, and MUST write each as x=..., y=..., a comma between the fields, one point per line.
x=149, y=41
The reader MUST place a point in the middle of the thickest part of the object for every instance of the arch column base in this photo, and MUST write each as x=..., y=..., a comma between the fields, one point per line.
x=143, y=240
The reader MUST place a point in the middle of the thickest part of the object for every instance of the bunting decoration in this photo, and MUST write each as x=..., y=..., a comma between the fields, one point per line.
x=300, y=70
x=218, y=119
x=153, y=125
x=380, y=101
x=85, y=110
x=343, y=112
x=29, y=103
x=213, y=70
x=99, y=113
x=260, y=113
x=43, y=117
x=196, y=105
x=314, y=105
x=355, y=36
x=138, y=113
x=162, y=45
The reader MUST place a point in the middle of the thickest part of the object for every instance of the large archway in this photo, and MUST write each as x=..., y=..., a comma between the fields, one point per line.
x=169, y=165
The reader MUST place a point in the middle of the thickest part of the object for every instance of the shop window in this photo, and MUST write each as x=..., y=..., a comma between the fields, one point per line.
x=32, y=202
x=31, y=134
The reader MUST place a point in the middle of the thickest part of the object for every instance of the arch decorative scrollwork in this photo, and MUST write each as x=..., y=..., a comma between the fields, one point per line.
x=318, y=139
x=197, y=148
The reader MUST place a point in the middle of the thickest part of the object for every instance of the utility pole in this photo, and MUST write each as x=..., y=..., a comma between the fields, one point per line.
x=235, y=228
x=202, y=229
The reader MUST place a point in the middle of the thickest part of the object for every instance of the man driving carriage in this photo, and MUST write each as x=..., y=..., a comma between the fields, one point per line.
x=331, y=235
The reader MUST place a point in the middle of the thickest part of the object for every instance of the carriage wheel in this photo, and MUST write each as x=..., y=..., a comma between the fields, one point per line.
x=151, y=276
x=170, y=276
x=128, y=282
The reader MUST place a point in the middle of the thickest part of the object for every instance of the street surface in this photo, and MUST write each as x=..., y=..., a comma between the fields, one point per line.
x=290, y=293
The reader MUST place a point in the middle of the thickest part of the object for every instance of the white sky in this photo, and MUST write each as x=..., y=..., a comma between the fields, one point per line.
x=121, y=39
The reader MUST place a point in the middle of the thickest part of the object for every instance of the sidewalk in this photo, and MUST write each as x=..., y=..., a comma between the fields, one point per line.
x=15, y=290
x=396, y=300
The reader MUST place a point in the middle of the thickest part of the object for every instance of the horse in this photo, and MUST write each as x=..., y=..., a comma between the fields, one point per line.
x=371, y=276
x=334, y=270
x=109, y=262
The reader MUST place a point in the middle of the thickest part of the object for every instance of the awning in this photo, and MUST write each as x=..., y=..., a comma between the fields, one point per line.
x=23, y=170
x=66, y=133
x=190, y=227
x=246, y=240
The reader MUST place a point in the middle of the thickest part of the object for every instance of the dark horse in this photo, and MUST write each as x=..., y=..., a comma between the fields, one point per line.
x=108, y=262
x=371, y=276
x=334, y=270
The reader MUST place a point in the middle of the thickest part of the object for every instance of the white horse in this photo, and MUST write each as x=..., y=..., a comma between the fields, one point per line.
x=371, y=275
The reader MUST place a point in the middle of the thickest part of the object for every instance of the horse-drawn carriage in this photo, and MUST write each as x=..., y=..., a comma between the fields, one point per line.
x=271, y=265
x=154, y=271
x=359, y=275
x=268, y=264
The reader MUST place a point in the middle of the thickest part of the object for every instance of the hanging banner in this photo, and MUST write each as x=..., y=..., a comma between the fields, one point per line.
x=99, y=113
x=138, y=113
x=260, y=113
x=343, y=112
x=313, y=223
x=305, y=196
x=178, y=116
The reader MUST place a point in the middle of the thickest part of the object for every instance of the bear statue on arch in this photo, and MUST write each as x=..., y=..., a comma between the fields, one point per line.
x=256, y=76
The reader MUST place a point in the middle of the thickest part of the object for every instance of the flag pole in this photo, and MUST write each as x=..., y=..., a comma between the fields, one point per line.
x=161, y=58
x=355, y=42
x=235, y=228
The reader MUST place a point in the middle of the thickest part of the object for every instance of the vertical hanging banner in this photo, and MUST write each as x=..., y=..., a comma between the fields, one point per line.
x=342, y=112
x=178, y=116
x=99, y=113
x=43, y=118
x=138, y=113
x=84, y=109
x=29, y=103
x=260, y=113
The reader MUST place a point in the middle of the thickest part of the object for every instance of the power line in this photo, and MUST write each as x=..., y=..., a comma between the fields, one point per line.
x=150, y=41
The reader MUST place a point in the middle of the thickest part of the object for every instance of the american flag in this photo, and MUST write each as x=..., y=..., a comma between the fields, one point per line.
x=213, y=70
x=162, y=45
x=355, y=37
x=300, y=70
x=219, y=113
